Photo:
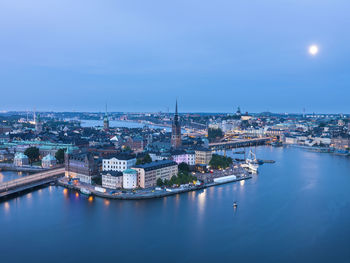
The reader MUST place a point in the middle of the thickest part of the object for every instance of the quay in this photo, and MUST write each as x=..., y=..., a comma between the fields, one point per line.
x=26, y=183
x=145, y=194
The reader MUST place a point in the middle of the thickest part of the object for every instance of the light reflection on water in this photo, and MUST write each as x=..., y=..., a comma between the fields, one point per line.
x=299, y=224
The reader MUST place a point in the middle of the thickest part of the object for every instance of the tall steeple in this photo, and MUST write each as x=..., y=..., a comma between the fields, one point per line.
x=176, y=117
x=176, y=130
x=105, y=120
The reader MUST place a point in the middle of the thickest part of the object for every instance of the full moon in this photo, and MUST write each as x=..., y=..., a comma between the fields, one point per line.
x=313, y=50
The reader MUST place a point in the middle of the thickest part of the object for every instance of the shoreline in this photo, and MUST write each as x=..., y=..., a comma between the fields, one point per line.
x=149, y=195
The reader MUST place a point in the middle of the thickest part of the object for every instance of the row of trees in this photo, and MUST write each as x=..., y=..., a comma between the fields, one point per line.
x=184, y=176
x=219, y=161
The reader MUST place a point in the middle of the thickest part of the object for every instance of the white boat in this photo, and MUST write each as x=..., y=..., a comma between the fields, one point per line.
x=251, y=163
x=85, y=191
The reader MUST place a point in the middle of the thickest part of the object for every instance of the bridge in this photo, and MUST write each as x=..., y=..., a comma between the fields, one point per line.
x=29, y=182
x=237, y=143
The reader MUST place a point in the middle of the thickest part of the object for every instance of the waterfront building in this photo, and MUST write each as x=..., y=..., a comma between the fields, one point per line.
x=203, y=155
x=112, y=179
x=81, y=166
x=130, y=179
x=176, y=131
x=119, y=162
x=20, y=159
x=188, y=157
x=48, y=161
x=149, y=173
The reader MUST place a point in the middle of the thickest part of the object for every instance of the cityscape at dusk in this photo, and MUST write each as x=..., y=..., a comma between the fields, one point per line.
x=186, y=131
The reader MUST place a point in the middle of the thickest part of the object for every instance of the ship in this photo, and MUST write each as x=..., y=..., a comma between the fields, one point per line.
x=251, y=164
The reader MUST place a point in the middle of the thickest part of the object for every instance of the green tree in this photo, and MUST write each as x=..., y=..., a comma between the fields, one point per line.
x=145, y=159
x=32, y=153
x=160, y=182
x=218, y=161
x=59, y=155
x=184, y=167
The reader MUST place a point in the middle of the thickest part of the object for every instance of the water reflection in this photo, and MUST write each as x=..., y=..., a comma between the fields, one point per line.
x=7, y=207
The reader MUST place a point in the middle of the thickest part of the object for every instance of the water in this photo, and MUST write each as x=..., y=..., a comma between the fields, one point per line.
x=296, y=210
x=6, y=176
x=126, y=124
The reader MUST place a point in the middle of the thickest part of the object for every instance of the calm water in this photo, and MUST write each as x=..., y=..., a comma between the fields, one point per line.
x=6, y=176
x=296, y=210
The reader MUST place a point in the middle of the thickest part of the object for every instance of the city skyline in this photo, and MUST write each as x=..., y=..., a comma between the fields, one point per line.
x=214, y=57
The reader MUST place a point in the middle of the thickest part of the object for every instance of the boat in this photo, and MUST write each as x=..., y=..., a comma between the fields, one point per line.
x=85, y=191
x=251, y=164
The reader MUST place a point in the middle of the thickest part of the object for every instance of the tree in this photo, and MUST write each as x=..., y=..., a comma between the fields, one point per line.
x=160, y=182
x=59, y=155
x=145, y=159
x=184, y=167
x=32, y=153
x=218, y=161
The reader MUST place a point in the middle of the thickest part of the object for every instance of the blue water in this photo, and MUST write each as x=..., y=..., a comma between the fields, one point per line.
x=6, y=176
x=296, y=210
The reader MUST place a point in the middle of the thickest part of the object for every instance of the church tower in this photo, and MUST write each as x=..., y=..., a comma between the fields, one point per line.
x=106, y=121
x=176, y=131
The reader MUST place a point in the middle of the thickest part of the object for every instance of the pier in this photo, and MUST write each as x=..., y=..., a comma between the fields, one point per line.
x=29, y=182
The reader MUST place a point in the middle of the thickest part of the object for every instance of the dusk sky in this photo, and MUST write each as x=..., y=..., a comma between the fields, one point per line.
x=213, y=56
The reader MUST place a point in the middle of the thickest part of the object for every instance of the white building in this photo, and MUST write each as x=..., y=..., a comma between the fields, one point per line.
x=20, y=159
x=184, y=157
x=112, y=179
x=149, y=173
x=48, y=161
x=118, y=163
x=130, y=179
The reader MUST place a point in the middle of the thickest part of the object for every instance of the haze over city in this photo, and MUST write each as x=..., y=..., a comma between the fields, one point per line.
x=142, y=55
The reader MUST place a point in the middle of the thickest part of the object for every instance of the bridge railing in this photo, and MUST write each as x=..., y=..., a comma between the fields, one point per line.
x=30, y=179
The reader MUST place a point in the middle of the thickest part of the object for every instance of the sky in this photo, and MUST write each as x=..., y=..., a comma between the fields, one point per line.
x=212, y=56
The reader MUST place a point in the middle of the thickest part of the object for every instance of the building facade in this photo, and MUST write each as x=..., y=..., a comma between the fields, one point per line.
x=112, y=179
x=20, y=159
x=81, y=166
x=149, y=173
x=188, y=157
x=203, y=156
x=118, y=163
x=176, y=131
x=48, y=161
x=130, y=179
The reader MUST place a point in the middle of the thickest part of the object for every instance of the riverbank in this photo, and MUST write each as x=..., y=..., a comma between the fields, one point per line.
x=143, y=194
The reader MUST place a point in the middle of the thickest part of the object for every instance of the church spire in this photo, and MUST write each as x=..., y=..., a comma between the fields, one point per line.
x=176, y=117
